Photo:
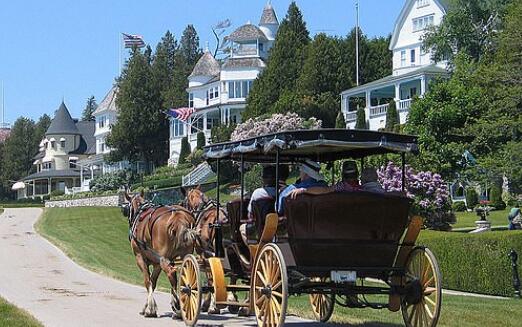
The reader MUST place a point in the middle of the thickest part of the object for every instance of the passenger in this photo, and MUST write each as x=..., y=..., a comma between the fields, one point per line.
x=349, y=183
x=310, y=177
x=369, y=181
x=268, y=191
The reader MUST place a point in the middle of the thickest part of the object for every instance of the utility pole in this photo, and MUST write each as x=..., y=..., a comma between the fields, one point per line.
x=357, y=42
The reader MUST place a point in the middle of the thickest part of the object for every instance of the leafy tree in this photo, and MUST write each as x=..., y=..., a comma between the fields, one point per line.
x=471, y=198
x=468, y=27
x=41, y=127
x=392, y=117
x=360, y=123
x=200, y=140
x=284, y=65
x=221, y=133
x=185, y=150
x=90, y=107
x=19, y=150
x=141, y=132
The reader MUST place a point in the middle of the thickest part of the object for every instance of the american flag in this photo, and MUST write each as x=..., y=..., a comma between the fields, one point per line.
x=131, y=40
x=182, y=114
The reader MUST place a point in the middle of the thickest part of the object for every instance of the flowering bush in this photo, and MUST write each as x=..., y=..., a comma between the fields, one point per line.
x=428, y=190
x=277, y=123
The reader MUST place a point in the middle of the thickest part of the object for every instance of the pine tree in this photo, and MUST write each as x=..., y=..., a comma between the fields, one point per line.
x=284, y=66
x=19, y=150
x=392, y=117
x=90, y=107
x=41, y=127
x=339, y=121
x=200, y=140
x=184, y=152
x=361, y=119
x=190, y=49
x=141, y=132
x=164, y=68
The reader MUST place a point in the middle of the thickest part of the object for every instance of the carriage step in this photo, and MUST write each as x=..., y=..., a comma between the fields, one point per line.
x=238, y=287
x=237, y=304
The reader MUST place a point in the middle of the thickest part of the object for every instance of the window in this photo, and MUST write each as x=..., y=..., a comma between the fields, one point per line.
x=403, y=58
x=423, y=3
x=47, y=166
x=101, y=122
x=191, y=100
x=212, y=122
x=239, y=89
x=101, y=146
x=72, y=164
x=62, y=143
x=260, y=47
x=421, y=23
x=412, y=56
x=413, y=92
x=53, y=144
x=176, y=127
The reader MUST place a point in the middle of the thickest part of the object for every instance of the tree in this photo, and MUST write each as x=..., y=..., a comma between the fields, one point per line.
x=163, y=67
x=19, y=150
x=200, y=140
x=360, y=123
x=41, y=127
x=190, y=49
x=185, y=150
x=141, y=132
x=392, y=117
x=339, y=121
x=90, y=107
x=285, y=63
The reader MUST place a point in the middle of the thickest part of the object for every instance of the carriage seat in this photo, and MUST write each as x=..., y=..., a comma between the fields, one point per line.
x=352, y=229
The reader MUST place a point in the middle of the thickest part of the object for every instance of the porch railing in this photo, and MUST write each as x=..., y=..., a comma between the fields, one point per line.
x=379, y=110
x=351, y=116
x=404, y=105
x=200, y=174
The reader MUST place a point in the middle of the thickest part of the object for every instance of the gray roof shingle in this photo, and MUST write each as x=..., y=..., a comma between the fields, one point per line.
x=53, y=173
x=247, y=32
x=87, y=139
x=109, y=102
x=207, y=65
x=268, y=16
x=62, y=122
x=243, y=62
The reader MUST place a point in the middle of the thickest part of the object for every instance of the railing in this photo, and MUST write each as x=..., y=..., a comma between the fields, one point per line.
x=379, y=110
x=351, y=116
x=200, y=174
x=404, y=105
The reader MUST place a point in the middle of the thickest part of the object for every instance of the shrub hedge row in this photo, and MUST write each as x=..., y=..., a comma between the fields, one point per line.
x=476, y=263
x=163, y=183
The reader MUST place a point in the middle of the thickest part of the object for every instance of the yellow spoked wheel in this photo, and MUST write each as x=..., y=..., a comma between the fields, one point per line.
x=322, y=304
x=189, y=290
x=422, y=303
x=270, y=287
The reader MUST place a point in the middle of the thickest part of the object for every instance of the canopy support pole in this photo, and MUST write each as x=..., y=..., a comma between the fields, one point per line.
x=242, y=186
x=277, y=179
x=403, y=162
x=218, y=241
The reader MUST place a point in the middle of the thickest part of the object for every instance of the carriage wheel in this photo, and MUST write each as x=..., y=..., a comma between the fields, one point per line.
x=189, y=290
x=322, y=304
x=270, y=287
x=421, y=305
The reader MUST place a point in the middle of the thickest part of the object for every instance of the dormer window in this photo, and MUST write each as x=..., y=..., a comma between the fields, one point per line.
x=62, y=143
x=53, y=143
x=423, y=3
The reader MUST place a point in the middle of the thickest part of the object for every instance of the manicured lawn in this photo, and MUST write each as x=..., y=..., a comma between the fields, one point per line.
x=97, y=238
x=11, y=316
x=1, y=210
x=467, y=219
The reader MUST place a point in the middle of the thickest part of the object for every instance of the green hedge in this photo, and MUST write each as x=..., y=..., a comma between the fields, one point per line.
x=476, y=263
x=163, y=183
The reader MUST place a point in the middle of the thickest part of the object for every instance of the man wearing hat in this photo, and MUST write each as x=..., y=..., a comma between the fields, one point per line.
x=349, y=183
x=309, y=175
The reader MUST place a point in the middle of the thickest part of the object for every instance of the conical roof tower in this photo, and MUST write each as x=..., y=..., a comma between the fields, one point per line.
x=62, y=123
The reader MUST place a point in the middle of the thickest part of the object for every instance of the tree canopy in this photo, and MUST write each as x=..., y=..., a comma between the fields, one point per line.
x=90, y=107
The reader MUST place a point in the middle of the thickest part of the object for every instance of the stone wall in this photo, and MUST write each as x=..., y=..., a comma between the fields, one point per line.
x=101, y=201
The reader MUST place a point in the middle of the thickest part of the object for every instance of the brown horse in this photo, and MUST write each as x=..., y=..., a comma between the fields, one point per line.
x=206, y=213
x=159, y=235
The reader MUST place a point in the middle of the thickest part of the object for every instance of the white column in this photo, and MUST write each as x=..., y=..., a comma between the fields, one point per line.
x=423, y=85
x=397, y=92
x=205, y=121
x=368, y=99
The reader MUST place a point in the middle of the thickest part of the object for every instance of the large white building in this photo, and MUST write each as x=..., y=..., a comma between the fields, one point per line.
x=217, y=90
x=413, y=68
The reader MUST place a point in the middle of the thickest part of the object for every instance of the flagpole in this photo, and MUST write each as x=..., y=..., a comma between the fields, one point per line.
x=119, y=53
x=357, y=42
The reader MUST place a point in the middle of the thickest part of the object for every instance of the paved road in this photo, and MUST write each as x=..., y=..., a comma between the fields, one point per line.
x=38, y=277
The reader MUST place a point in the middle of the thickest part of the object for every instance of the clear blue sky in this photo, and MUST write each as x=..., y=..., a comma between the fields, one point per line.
x=57, y=49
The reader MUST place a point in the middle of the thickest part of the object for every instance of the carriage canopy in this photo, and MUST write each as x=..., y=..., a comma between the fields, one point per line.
x=320, y=145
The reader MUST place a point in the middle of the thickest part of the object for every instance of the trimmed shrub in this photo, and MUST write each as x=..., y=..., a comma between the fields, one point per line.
x=458, y=206
x=471, y=198
x=185, y=150
x=360, y=123
x=113, y=181
x=392, y=117
x=495, y=197
x=161, y=183
x=196, y=157
x=201, y=142
x=57, y=193
x=476, y=263
x=339, y=121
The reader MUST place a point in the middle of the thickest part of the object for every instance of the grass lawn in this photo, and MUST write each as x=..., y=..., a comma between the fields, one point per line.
x=11, y=316
x=97, y=238
x=1, y=210
x=467, y=219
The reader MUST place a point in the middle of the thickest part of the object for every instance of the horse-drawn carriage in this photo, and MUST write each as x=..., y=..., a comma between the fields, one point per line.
x=337, y=248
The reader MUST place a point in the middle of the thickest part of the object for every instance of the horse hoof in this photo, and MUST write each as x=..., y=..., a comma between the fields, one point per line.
x=243, y=312
x=151, y=315
x=214, y=311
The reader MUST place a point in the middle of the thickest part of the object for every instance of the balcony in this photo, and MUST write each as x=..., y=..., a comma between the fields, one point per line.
x=351, y=116
x=402, y=106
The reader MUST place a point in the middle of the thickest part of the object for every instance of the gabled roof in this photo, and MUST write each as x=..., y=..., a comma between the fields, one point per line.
x=269, y=16
x=109, y=102
x=62, y=122
x=207, y=65
x=443, y=4
x=247, y=32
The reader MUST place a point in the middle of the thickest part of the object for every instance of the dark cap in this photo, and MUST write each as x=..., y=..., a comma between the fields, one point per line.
x=350, y=168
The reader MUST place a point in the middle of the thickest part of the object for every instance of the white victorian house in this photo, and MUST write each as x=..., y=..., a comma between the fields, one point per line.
x=218, y=90
x=413, y=68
